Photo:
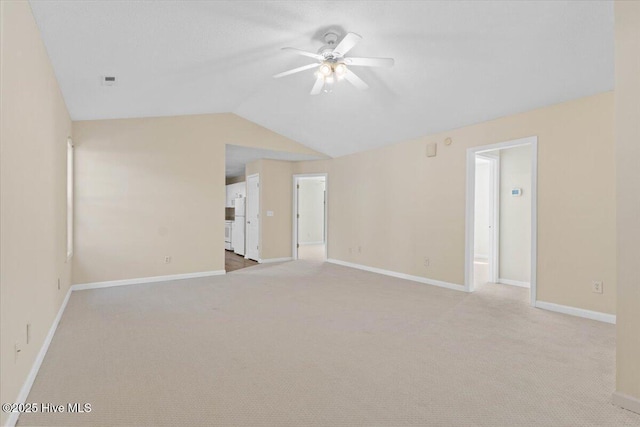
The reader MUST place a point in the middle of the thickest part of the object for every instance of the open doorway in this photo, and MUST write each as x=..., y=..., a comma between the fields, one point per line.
x=501, y=215
x=243, y=238
x=310, y=217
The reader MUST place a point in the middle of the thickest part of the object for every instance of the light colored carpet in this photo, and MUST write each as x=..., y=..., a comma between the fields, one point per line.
x=313, y=344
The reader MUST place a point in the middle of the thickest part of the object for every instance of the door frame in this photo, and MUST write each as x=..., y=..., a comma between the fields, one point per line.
x=294, y=218
x=470, y=208
x=246, y=217
x=494, y=195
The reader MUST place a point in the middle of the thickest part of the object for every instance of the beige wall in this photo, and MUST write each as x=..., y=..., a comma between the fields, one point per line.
x=276, y=186
x=627, y=106
x=34, y=127
x=515, y=214
x=392, y=207
x=155, y=187
x=253, y=168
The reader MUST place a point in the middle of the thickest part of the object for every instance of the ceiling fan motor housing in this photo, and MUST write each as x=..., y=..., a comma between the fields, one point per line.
x=330, y=39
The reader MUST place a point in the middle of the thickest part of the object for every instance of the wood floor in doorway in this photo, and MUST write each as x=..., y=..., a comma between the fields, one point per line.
x=233, y=261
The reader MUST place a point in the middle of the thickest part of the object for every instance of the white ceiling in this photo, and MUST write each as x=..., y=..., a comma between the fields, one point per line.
x=236, y=157
x=457, y=63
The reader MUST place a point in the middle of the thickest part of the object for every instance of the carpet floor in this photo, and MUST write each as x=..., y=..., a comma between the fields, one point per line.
x=314, y=344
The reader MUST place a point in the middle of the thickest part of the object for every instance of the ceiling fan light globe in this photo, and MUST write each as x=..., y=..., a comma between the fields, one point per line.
x=340, y=70
x=325, y=70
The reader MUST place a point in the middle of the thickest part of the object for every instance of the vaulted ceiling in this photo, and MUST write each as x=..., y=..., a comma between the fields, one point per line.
x=457, y=63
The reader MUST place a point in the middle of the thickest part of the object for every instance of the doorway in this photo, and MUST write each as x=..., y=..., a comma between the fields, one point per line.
x=310, y=217
x=252, y=218
x=501, y=217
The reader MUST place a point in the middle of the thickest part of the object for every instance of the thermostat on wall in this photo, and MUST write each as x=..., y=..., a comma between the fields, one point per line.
x=516, y=192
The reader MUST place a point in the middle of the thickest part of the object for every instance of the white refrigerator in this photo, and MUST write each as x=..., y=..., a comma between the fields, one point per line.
x=237, y=240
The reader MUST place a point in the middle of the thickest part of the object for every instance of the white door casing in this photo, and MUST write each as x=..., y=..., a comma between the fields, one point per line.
x=470, y=209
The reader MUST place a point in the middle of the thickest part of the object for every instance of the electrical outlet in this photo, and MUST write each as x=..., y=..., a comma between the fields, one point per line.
x=167, y=259
x=426, y=262
x=596, y=286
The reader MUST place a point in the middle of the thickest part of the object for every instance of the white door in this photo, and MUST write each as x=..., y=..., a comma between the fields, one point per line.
x=253, y=218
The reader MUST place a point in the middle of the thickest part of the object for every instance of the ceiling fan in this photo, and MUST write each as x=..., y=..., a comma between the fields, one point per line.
x=333, y=65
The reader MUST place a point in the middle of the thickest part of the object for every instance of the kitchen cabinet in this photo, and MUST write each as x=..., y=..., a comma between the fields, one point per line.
x=233, y=191
x=227, y=202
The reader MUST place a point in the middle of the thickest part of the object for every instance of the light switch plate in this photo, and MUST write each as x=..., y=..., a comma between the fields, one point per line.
x=269, y=213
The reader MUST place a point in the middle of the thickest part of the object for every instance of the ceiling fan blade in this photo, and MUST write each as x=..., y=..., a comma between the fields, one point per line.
x=317, y=86
x=347, y=43
x=295, y=70
x=369, y=62
x=355, y=80
x=304, y=53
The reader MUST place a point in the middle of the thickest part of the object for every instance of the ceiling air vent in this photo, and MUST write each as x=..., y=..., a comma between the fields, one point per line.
x=108, y=80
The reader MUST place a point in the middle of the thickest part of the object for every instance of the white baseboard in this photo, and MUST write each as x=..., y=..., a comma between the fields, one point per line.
x=28, y=383
x=625, y=401
x=579, y=312
x=514, y=283
x=399, y=275
x=270, y=260
x=124, y=282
